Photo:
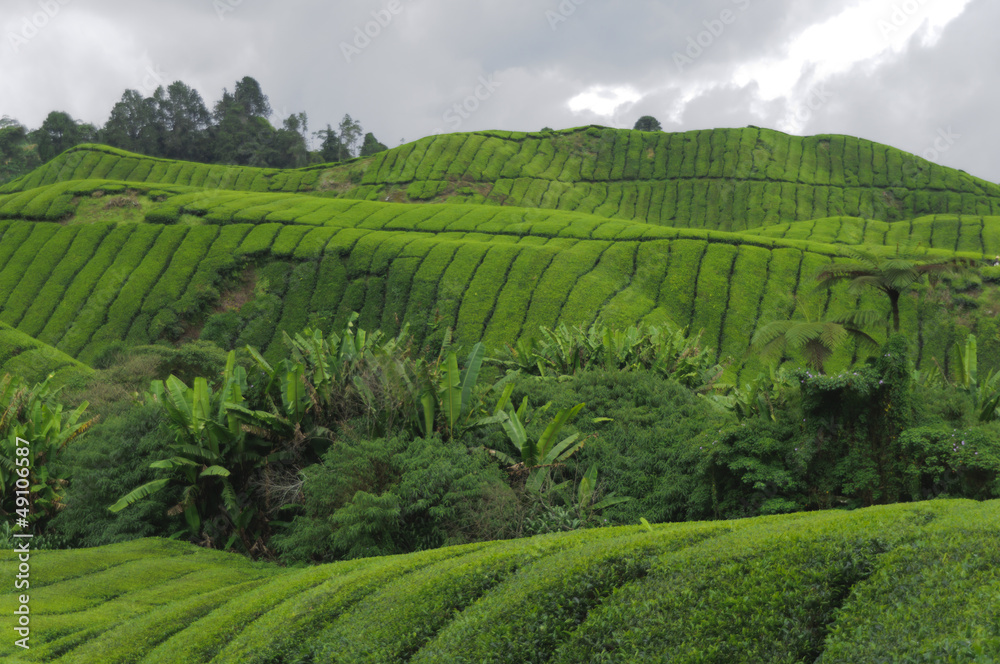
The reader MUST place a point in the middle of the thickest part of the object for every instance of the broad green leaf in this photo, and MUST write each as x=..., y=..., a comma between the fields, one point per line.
x=587, y=485
x=552, y=430
x=470, y=375
x=451, y=391
x=137, y=494
x=214, y=471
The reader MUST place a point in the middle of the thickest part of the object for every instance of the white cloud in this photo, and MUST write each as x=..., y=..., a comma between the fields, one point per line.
x=604, y=100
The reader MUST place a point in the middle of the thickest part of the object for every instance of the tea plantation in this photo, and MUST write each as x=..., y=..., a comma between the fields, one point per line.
x=490, y=237
x=822, y=587
x=490, y=272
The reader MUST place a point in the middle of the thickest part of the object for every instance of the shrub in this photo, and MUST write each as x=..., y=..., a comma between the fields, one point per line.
x=34, y=433
x=114, y=459
x=395, y=496
x=645, y=451
x=937, y=462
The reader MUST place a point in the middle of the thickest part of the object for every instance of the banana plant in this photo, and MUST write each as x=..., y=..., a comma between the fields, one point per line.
x=34, y=431
x=535, y=455
x=967, y=373
x=986, y=393
x=448, y=393
x=989, y=398
x=585, y=494
x=210, y=444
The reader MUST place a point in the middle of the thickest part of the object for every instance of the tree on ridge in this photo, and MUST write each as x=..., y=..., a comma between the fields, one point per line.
x=647, y=123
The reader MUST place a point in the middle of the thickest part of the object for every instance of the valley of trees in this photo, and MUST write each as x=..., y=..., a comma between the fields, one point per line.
x=175, y=123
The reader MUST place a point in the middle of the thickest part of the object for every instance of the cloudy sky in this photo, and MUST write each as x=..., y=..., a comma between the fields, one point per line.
x=917, y=74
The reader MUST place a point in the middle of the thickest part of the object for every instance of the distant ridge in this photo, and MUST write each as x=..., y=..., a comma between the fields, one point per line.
x=725, y=179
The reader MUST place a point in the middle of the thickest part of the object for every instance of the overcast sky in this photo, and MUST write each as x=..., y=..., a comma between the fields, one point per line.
x=916, y=74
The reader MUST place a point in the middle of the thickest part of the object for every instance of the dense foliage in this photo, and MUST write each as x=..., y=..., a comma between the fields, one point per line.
x=174, y=122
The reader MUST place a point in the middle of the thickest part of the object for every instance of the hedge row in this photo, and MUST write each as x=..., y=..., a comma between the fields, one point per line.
x=965, y=233
x=910, y=582
x=730, y=179
x=491, y=274
x=24, y=356
x=103, y=162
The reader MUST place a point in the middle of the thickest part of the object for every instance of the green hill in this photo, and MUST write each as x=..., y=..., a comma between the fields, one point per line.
x=179, y=250
x=491, y=274
x=912, y=583
x=491, y=235
x=726, y=179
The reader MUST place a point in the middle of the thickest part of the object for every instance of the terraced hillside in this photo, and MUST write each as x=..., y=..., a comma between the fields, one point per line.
x=492, y=274
x=173, y=250
x=903, y=581
x=24, y=356
x=725, y=179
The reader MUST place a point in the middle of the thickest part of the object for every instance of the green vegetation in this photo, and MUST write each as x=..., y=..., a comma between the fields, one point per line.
x=429, y=353
x=818, y=587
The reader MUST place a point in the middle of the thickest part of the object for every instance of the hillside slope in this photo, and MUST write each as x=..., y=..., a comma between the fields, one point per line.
x=489, y=273
x=236, y=255
x=725, y=179
x=912, y=583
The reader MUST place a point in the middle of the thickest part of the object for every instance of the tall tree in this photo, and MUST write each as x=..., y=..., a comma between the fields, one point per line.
x=133, y=125
x=648, y=123
x=185, y=122
x=17, y=155
x=350, y=136
x=371, y=145
x=242, y=134
x=59, y=132
x=330, y=148
x=290, y=150
x=250, y=96
x=890, y=274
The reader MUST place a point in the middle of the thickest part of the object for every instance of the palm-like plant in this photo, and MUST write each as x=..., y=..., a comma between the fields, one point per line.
x=816, y=340
x=536, y=456
x=211, y=452
x=34, y=432
x=890, y=274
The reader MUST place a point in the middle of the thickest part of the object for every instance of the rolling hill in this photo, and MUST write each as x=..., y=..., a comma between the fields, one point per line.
x=725, y=179
x=491, y=235
x=102, y=246
x=826, y=587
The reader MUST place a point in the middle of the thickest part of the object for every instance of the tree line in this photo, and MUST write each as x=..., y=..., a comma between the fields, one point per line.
x=175, y=123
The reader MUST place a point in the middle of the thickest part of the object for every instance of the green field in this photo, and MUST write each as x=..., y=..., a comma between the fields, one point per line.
x=826, y=587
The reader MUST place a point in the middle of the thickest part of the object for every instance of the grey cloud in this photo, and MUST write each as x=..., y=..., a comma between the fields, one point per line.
x=431, y=55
